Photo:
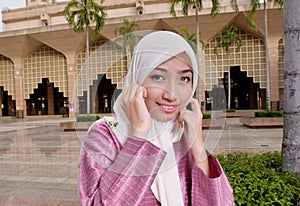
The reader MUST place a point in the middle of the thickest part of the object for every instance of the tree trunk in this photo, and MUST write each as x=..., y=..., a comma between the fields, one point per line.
x=291, y=130
x=87, y=70
x=198, y=55
x=229, y=81
x=268, y=103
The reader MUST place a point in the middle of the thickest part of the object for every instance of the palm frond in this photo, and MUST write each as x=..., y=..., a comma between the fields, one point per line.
x=234, y=5
x=254, y=6
x=279, y=3
x=215, y=8
x=227, y=38
x=81, y=13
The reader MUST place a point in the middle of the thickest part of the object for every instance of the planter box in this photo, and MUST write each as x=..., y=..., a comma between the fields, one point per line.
x=213, y=123
x=255, y=122
x=231, y=114
x=73, y=126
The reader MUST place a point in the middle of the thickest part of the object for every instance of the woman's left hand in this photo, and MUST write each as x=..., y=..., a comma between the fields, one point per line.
x=192, y=123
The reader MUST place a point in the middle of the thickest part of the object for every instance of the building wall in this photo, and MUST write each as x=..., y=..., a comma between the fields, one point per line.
x=26, y=31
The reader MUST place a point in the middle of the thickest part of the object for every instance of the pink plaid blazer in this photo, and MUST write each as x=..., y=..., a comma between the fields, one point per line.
x=114, y=174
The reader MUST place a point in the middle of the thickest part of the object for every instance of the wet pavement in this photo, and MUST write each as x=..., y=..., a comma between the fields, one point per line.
x=39, y=162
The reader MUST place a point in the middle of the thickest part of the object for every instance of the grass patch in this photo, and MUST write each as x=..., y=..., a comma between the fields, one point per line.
x=87, y=118
x=258, y=179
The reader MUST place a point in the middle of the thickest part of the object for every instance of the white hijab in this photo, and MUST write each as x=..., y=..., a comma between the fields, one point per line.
x=154, y=49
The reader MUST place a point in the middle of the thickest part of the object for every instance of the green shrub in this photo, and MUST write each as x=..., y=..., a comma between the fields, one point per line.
x=229, y=110
x=206, y=116
x=87, y=118
x=257, y=179
x=269, y=114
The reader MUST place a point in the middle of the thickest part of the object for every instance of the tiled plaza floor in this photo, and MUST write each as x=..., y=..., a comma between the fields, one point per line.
x=39, y=162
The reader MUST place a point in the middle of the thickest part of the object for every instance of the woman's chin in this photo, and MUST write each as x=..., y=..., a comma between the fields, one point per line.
x=161, y=116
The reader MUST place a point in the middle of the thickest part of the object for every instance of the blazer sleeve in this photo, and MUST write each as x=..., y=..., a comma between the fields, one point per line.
x=114, y=174
x=215, y=191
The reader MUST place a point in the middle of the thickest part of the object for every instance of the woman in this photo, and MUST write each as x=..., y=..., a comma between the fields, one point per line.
x=152, y=152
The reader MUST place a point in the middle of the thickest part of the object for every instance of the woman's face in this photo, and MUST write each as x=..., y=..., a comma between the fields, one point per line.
x=169, y=87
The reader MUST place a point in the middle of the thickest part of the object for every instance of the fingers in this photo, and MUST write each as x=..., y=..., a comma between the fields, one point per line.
x=132, y=94
x=195, y=106
x=180, y=120
x=133, y=104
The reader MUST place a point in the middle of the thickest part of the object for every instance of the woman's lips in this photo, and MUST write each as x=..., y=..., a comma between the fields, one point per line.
x=168, y=108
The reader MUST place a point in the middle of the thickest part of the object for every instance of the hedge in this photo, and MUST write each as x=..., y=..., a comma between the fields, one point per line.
x=268, y=114
x=87, y=118
x=258, y=179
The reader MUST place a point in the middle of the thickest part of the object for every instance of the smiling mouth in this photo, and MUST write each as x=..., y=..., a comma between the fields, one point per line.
x=168, y=108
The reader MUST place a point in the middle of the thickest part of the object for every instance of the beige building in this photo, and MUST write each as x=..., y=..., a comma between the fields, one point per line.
x=43, y=64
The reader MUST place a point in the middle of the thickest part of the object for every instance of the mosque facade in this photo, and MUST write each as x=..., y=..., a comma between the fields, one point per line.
x=43, y=62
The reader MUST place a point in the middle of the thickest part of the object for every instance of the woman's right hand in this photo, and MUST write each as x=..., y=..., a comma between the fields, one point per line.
x=133, y=103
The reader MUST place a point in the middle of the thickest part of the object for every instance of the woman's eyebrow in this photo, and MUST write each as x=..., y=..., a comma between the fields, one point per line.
x=160, y=69
x=182, y=72
x=186, y=71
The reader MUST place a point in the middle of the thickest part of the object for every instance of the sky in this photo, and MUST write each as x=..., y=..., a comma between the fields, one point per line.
x=12, y=4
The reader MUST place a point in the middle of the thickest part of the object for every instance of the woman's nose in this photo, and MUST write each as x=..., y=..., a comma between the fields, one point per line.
x=170, y=93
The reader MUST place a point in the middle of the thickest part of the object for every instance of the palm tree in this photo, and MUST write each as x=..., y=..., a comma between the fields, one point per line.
x=291, y=130
x=191, y=38
x=198, y=5
x=127, y=37
x=80, y=14
x=227, y=38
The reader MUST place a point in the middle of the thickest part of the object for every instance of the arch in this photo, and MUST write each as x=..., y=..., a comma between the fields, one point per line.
x=106, y=58
x=7, y=79
x=45, y=62
x=250, y=58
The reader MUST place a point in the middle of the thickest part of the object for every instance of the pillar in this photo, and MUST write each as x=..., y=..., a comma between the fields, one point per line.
x=94, y=101
x=19, y=84
x=273, y=74
x=1, y=93
x=50, y=99
x=201, y=76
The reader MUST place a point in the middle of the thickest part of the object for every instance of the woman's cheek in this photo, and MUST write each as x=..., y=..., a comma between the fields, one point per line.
x=185, y=96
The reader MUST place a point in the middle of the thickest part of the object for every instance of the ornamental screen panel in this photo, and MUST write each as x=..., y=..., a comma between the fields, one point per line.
x=7, y=79
x=45, y=62
x=105, y=58
x=281, y=63
x=250, y=57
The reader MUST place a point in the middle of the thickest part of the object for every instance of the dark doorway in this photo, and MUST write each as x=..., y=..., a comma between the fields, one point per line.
x=46, y=100
x=7, y=104
x=245, y=94
x=243, y=91
x=216, y=98
x=102, y=95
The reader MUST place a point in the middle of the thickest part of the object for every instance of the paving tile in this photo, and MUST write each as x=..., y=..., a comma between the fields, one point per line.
x=39, y=162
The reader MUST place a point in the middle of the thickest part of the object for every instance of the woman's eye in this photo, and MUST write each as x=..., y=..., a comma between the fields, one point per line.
x=157, y=77
x=185, y=79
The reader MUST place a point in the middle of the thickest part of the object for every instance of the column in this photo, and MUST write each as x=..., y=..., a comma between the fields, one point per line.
x=20, y=101
x=273, y=74
x=94, y=100
x=1, y=93
x=202, y=80
x=72, y=95
x=50, y=99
